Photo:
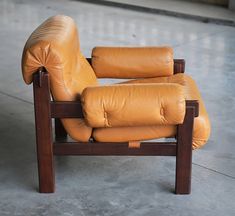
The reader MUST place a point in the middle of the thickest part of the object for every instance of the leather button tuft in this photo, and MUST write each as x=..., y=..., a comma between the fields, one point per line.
x=161, y=111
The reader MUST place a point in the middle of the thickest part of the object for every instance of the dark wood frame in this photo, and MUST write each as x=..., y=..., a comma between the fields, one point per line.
x=46, y=109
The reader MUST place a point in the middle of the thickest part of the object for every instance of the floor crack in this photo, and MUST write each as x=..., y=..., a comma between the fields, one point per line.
x=17, y=98
x=232, y=177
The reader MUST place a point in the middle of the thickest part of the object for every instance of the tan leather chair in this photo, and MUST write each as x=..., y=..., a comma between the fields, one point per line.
x=158, y=101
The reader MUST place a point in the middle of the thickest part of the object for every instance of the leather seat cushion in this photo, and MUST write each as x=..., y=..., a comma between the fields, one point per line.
x=201, y=129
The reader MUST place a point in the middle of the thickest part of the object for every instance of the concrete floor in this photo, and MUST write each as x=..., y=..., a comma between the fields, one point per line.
x=117, y=185
x=192, y=9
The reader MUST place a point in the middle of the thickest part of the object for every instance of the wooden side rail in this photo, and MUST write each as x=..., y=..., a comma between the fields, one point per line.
x=45, y=110
x=179, y=65
x=115, y=149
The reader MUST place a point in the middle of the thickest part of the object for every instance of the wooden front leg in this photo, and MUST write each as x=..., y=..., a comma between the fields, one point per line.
x=43, y=126
x=184, y=150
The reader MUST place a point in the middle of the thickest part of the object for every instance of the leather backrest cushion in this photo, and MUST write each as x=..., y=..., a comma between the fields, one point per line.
x=55, y=46
x=132, y=62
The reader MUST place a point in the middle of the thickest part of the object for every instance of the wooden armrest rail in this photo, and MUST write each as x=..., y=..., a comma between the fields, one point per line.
x=73, y=109
x=66, y=109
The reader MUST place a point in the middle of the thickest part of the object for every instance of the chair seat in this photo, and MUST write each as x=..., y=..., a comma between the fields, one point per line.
x=201, y=129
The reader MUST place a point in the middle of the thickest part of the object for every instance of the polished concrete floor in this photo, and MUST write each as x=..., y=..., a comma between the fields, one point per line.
x=195, y=10
x=116, y=186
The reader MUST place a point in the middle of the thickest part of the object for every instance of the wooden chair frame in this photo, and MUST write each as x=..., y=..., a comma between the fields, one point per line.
x=46, y=109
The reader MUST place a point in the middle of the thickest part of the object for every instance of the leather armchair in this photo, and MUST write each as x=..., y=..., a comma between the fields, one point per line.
x=158, y=101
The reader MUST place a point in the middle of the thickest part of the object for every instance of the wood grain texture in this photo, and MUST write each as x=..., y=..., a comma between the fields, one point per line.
x=184, y=151
x=179, y=66
x=43, y=132
x=60, y=132
x=66, y=109
x=118, y=149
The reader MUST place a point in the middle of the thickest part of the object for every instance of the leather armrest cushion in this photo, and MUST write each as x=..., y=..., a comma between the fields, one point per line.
x=132, y=62
x=133, y=105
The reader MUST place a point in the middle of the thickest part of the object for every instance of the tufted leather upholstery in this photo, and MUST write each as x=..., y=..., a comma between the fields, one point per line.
x=201, y=131
x=134, y=105
x=131, y=111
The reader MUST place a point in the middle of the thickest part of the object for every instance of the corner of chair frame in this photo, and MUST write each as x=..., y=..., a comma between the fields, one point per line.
x=45, y=110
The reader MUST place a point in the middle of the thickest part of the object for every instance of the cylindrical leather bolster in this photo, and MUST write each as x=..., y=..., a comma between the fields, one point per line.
x=133, y=105
x=131, y=62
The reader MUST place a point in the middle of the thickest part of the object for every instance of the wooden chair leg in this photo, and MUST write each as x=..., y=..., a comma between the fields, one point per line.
x=60, y=132
x=184, y=153
x=44, y=133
